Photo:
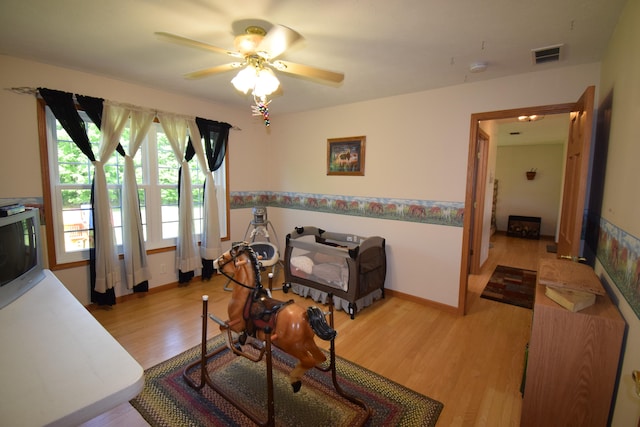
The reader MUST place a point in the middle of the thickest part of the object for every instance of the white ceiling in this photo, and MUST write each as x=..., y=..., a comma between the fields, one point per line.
x=384, y=47
x=551, y=129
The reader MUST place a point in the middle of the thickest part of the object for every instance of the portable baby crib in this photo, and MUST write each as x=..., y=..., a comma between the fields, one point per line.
x=352, y=268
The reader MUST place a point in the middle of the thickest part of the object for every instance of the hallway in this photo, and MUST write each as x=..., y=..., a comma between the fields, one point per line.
x=511, y=252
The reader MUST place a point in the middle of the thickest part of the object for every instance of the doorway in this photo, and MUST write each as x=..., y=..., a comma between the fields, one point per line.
x=580, y=125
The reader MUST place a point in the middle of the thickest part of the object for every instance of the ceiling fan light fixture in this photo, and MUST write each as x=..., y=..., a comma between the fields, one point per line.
x=245, y=80
x=266, y=83
x=262, y=81
x=248, y=42
x=531, y=118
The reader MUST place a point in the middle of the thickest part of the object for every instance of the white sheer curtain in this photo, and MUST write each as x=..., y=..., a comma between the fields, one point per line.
x=210, y=242
x=135, y=255
x=114, y=119
x=187, y=259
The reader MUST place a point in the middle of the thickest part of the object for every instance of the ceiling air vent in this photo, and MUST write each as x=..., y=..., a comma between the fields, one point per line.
x=547, y=54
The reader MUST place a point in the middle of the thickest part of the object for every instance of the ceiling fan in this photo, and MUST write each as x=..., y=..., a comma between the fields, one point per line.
x=257, y=51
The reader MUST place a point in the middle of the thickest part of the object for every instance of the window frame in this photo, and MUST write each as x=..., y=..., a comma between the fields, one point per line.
x=58, y=257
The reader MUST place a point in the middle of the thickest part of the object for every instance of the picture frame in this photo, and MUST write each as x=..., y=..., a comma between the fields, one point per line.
x=345, y=156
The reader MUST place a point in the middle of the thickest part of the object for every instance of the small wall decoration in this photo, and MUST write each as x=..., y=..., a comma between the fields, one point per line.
x=345, y=156
x=531, y=174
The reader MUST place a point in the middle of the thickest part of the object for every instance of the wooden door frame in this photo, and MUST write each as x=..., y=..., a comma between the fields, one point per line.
x=470, y=223
x=481, y=160
x=576, y=168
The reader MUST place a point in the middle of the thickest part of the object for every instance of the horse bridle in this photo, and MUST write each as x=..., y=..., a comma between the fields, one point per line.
x=235, y=252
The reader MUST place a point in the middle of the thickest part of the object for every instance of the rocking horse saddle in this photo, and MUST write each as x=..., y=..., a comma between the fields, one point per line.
x=261, y=311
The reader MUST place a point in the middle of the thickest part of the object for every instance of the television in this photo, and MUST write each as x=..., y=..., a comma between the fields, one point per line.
x=21, y=264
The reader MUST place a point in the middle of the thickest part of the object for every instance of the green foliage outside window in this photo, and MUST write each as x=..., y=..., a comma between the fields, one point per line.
x=74, y=168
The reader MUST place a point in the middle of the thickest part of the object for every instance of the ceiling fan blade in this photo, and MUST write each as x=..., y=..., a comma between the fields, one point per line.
x=194, y=43
x=276, y=41
x=213, y=70
x=307, y=71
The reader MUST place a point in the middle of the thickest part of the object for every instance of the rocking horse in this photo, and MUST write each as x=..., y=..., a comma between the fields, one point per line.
x=260, y=321
x=252, y=313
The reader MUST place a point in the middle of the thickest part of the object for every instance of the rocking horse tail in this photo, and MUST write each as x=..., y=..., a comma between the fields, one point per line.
x=319, y=324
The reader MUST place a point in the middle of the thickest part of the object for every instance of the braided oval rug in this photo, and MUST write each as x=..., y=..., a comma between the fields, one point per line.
x=167, y=400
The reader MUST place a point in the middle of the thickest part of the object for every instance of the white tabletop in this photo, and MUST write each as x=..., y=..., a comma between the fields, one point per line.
x=58, y=365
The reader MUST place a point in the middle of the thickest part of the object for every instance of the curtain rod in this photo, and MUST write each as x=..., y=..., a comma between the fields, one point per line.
x=25, y=90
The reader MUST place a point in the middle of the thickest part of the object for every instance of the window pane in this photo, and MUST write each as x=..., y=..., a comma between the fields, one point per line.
x=117, y=227
x=75, y=198
x=197, y=177
x=167, y=175
x=76, y=218
x=137, y=162
x=168, y=166
x=114, y=169
x=73, y=166
x=143, y=212
x=92, y=132
x=125, y=138
x=75, y=173
x=142, y=199
x=77, y=238
x=169, y=196
x=169, y=229
x=169, y=211
x=116, y=213
x=198, y=195
x=114, y=197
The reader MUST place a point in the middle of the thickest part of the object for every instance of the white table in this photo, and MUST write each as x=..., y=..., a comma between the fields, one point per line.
x=58, y=365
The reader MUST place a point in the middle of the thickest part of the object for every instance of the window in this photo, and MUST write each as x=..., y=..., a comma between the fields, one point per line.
x=156, y=170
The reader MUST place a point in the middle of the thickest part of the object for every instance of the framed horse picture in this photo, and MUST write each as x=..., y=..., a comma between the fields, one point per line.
x=345, y=156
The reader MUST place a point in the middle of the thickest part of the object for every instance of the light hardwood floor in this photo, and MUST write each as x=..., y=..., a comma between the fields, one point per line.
x=472, y=364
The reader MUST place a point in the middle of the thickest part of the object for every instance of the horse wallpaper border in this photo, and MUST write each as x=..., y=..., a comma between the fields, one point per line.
x=423, y=211
x=618, y=251
x=619, y=254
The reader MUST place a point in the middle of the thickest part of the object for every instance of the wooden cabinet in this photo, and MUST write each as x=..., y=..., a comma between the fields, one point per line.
x=573, y=362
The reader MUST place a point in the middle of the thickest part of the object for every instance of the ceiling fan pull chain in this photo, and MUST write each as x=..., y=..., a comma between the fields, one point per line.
x=262, y=109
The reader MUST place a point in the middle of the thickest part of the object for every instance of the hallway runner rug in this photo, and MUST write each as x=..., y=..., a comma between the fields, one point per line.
x=511, y=285
x=167, y=400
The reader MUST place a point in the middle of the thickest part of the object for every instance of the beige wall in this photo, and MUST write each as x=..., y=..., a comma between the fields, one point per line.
x=621, y=204
x=417, y=147
x=539, y=197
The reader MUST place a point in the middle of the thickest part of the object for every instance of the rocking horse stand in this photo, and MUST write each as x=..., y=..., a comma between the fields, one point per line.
x=266, y=351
